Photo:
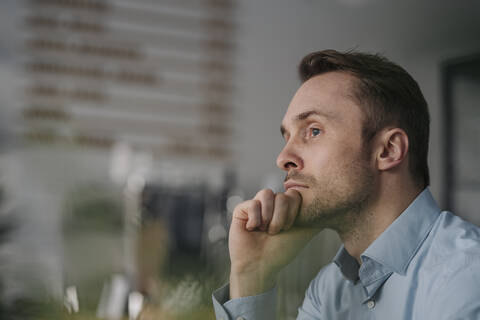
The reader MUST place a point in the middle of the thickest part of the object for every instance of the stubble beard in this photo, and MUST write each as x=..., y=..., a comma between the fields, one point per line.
x=340, y=200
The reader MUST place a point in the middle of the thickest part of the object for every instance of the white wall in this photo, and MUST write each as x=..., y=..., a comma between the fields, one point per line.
x=274, y=35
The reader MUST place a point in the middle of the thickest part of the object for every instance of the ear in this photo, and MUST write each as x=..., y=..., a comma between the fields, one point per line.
x=393, y=148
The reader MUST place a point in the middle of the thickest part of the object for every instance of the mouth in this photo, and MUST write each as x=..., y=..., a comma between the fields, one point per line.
x=294, y=185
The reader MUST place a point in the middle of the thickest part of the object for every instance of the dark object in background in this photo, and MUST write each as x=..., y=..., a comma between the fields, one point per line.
x=461, y=107
x=7, y=225
x=182, y=212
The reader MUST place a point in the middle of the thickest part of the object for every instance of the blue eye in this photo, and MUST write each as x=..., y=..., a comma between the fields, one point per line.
x=315, y=131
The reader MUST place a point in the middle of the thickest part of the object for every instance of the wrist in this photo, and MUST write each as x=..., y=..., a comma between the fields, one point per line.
x=244, y=284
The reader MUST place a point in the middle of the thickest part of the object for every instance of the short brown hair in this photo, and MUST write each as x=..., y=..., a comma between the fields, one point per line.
x=388, y=93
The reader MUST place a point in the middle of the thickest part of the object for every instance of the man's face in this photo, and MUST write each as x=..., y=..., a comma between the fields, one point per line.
x=324, y=156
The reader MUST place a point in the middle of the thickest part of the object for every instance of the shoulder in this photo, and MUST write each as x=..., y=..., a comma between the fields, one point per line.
x=456, y=291
x=314, y=301
x=328, y=276
x=448, y=265
x=329, y=279
x=453, y=265
x=454, y=242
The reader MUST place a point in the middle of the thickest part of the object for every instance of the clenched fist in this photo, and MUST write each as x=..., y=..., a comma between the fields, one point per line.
x=263, y=240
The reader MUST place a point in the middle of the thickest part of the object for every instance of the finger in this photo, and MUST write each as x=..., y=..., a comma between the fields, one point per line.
x=294, y=203
x=266, y=198
x=280, y=211
x=249, y=211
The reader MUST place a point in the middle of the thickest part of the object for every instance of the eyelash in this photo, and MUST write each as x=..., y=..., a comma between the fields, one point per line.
x=309, y=133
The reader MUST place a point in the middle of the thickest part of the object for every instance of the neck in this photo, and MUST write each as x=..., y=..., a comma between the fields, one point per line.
x=367, y=224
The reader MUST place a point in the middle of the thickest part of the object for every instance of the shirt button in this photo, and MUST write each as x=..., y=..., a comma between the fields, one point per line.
x=240, y=318
x=371, y=304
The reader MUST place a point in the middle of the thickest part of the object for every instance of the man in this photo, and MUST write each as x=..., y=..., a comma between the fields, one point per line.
x=356, y=143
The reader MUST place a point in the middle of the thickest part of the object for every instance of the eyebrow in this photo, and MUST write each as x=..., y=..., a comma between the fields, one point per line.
x=305, y=115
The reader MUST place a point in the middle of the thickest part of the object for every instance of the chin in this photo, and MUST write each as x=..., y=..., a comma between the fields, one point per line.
x=306, y=202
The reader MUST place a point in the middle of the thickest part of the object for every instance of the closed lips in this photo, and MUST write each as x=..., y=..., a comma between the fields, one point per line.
x=292, y=184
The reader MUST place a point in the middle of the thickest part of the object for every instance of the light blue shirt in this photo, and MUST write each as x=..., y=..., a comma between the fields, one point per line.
x=424, y=266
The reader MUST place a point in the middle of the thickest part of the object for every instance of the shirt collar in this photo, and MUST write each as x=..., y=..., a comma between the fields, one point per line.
x=397, y=245
x=393, y=250
x=347, y=264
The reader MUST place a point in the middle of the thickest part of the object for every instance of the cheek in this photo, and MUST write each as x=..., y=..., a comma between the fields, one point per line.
x=325, y=159
x=331, y=164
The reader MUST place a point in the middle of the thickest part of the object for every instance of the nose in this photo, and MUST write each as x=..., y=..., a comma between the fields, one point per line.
x=289, y=159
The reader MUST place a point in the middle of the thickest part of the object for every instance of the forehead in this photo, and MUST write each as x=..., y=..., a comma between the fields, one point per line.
x=330, y=94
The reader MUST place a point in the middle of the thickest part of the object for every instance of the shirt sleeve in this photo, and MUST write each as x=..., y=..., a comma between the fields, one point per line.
x=259, y=307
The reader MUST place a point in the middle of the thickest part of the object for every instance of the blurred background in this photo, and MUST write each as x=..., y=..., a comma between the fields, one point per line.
x=129, y=130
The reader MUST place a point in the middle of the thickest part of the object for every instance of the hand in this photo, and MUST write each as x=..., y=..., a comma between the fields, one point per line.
x=262, y=240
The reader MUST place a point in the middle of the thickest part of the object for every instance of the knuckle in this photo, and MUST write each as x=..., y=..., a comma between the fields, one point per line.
x=256, y=205
x=241, y=206
x=265, y=194
x=246, y=208
x=253, y=204
x=268, y=193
